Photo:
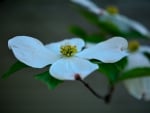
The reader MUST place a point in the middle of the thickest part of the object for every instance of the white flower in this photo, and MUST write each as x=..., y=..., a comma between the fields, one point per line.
x=122, y=22
x=138, y=87
x=88, y=4
x=67, y=57
x=125, y=24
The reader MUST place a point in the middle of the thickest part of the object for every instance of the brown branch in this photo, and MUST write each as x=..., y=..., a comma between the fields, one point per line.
x=106, y=98
x=77, y=77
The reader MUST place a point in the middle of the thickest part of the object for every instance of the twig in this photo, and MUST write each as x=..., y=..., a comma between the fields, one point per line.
x=106, y=98
x=88, y=87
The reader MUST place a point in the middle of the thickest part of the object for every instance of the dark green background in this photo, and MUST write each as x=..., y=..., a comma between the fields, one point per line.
x=48, y=20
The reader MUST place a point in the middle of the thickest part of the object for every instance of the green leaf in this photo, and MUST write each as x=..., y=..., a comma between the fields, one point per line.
x=134, y=73
x=95, y=38
x=112, y=70
x=14, y=68
x=111, y=28
x=78, y=31
x=147, y=55
x=48, y=80
x=91, y=17
x=121, y=64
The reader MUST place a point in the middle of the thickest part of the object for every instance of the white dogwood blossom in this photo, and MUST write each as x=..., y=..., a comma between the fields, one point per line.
x=88, y=4
x=122, y=22
x=67, y=57
x=138, y=87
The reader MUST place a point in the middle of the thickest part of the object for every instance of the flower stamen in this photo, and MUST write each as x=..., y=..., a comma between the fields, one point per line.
x=112, y=10
x=68, y=50
x=133, y=45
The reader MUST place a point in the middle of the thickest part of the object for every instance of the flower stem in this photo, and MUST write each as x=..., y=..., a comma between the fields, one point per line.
x=106, y=98
x=77, y=77
x=91, y=90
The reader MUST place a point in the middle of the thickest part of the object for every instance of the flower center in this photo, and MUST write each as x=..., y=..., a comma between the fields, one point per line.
x=112, y=10
x=133, y=45
x=68, y=50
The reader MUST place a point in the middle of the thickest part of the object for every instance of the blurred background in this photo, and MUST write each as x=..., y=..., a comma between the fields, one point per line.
x=49, y=20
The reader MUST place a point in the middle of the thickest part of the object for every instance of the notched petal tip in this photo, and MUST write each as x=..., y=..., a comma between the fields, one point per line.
x=31, y=51
x=119, y=42
x=138, y=88
x=77, y=77
x=145, y=96
x=109, y=51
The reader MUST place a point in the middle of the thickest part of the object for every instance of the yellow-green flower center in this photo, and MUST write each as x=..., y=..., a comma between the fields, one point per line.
x=133, y=45
x=112, y=10
x=68, y=50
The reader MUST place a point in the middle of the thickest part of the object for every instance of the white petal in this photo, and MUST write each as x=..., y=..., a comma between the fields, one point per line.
x=139, y=87
x=125, y=24
x=31, y=51
x=136, y=60
x=140, y=28
x=120, y=21
x=55, y=47
x=134, y=87
x=132, y=24
x=146, y=82
x=144, y=49
x=89, y=5
x=68, y=68
x=89, y=44
x=109, y=51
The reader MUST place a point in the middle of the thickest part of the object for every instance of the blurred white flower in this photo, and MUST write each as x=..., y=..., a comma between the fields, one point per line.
x=68, y=58
x=138, y=87
x=122, y=22
x=88, y=4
